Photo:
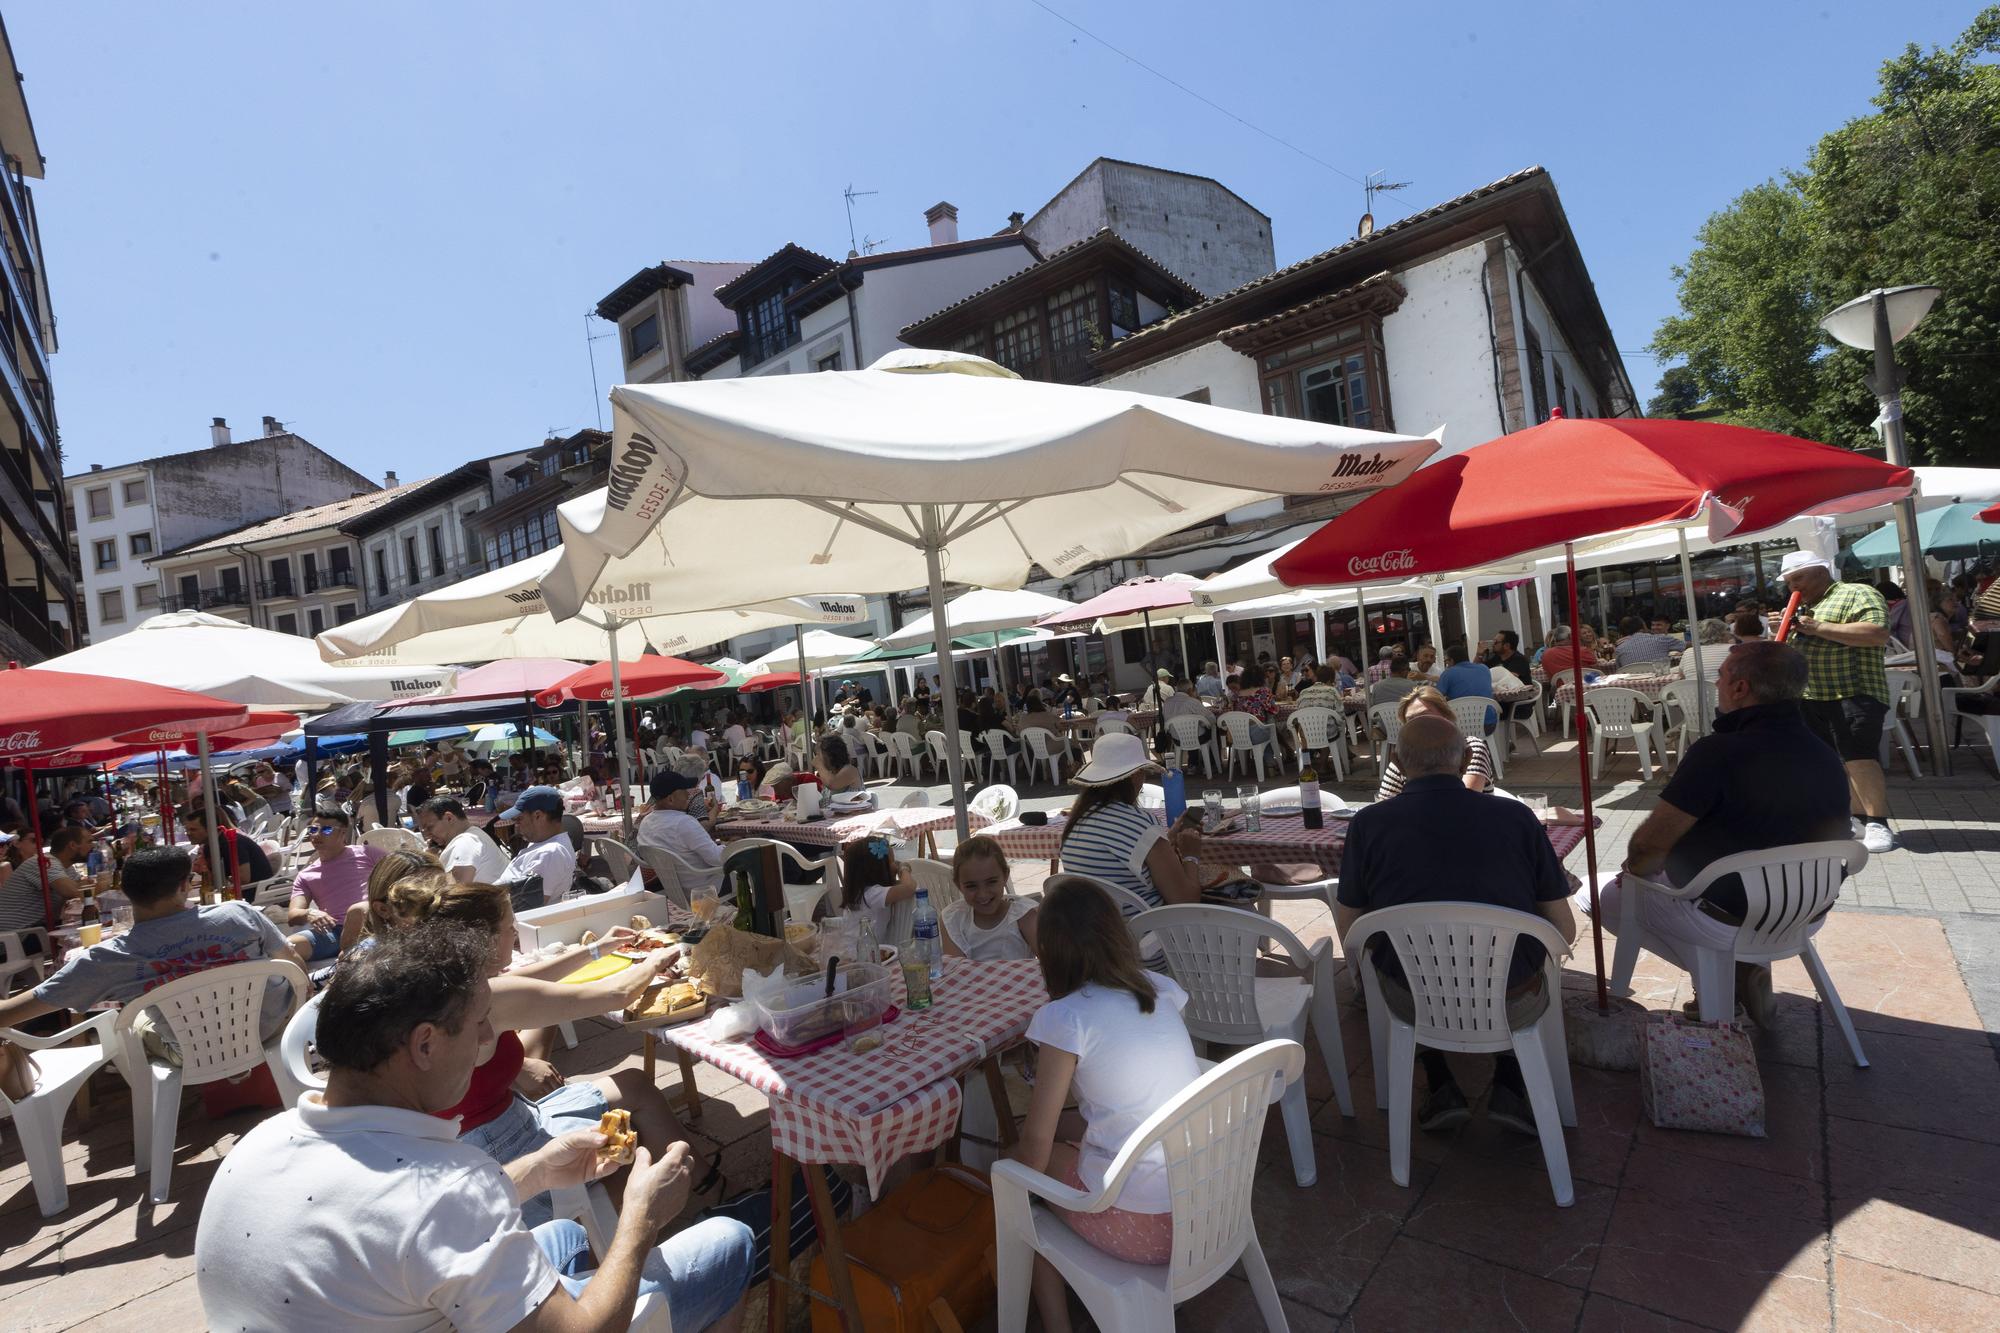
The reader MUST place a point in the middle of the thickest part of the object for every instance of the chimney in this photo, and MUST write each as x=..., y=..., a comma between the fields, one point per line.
x=389, y=482
x=1015, y=220
x=944, y=223
x=272, y=426
x=218, y=432
x=97, y=467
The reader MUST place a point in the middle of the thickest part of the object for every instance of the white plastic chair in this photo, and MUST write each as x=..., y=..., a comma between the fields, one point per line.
x=60, y=1069
x=934, y=744
x=620, y=859
x=678, y=877
x=1212, y=953
x=914, y=800
x=801, y=900
x=1680, y=717
x=1318, y=729
x=997, y=740
x=1235, y=728
x=1951, y=697
x=1614, y=718
x=869, y=752
x=1108, y=725
x=1788, y=891
x=1455, y=958
x=1185, y=733
x=1525, y=713
x=998, y=802
x=214, y=1018
x=1210, y=1133
x=903, y=754
x=935, y=879
x=16, y=961
x=1906, y=704
x=1323, y=888
x=1382, y=717
x=393, y=839
x=1470, y=715
x=1046, y=748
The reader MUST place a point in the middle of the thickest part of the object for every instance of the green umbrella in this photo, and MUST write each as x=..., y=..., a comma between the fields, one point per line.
x=1953, y=532
x=979, y=643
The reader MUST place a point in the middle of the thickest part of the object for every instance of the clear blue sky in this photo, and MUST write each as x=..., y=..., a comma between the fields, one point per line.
x=383, y=224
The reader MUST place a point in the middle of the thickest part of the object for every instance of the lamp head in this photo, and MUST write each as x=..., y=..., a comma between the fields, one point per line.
x=1854, y=323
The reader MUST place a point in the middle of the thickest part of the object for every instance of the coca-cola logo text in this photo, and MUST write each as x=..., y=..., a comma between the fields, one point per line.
x=21, y=742
x=1388, y=562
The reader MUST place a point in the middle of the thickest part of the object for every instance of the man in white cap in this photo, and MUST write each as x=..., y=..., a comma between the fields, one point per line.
x=1157, y=693
x=1843, y=630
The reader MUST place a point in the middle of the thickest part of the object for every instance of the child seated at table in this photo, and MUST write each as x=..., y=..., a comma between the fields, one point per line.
x=1112, y=1033
x=871, y=881
x=988, y=923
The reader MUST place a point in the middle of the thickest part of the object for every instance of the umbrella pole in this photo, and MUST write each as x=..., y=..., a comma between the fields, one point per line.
x=1187, y=670
x=618, y=726
x=807, y=702
x=41, y=857
x=953, y=761
x=1694, y=633
x=1583, y=776
x=1361, y=670
x=212, y=817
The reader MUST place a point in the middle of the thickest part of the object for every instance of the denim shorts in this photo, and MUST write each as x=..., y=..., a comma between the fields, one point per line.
x=703, y=1270
x=325, y=942
x=525, y=1126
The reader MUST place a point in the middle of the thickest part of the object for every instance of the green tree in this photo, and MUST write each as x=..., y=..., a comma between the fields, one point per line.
x=1679, y=395
x=1908, y=194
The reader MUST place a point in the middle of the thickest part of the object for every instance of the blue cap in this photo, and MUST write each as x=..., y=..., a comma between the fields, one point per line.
x=545, y=799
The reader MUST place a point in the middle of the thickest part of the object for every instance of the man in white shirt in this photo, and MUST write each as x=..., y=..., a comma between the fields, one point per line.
x=669, y=825
x=469, y=853
x=376, y=1217
x=548, y=859
x=1209, y=684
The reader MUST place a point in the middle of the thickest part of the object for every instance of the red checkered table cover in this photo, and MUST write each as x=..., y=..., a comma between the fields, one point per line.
x=878, y=1106
x=907, y=822
x=1283, y=840
x=1648, y=685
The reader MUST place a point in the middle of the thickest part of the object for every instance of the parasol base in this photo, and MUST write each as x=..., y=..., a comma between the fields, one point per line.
x=1602, y=1039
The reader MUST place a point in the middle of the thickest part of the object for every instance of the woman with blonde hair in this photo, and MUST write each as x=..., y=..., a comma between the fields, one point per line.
x=369, y=917
x=1477, y=770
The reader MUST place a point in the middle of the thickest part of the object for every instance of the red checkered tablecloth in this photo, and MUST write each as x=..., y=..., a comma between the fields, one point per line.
x=874, y=1108
x=1649, y=685
x=905, y=822
x=1283, y=840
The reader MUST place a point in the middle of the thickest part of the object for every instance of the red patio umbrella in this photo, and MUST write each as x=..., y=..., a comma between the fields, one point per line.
x=770, y=680
x=1991, y=513
x=1139, y=596
x=638, y=679
x=44, y=713
x=1568, y=481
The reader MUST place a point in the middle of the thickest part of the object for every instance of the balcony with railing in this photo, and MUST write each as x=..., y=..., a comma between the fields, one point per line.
x=332, y=578
x=208, y=599
x=28, y=631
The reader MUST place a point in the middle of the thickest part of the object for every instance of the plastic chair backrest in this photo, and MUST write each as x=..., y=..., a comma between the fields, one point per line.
x=1384, y=716
x=1237, y=726
x=1785, y=890
x=1455, y=957
x=215, y=1016
x=1113, y=726
x=393, y=840
x=996, y=741
x=914, y=799
x=1906, y=693
x=1210, y=1132
x=1129, y=903
x=1041, y=742
x=273, y=892
x=676, y=876
x=935, y=879
x=936, y=740
x=1314, y=725
x=621, y=860
x=1186, y=731
x=299, y=1034
x=997, y=802
x=785, y=850
x=1152, y=796
x=901, y=746
x=1212, y=953
x=1613, y=709
x=1470, y=713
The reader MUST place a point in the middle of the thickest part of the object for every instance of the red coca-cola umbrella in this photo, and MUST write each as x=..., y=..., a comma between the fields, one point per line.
x=44, y=713
x=1563, y=482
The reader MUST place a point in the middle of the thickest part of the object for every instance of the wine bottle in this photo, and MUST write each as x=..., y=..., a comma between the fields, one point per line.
x=1309, y=811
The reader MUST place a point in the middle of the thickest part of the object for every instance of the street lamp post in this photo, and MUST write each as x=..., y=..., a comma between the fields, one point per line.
x=1876, y=321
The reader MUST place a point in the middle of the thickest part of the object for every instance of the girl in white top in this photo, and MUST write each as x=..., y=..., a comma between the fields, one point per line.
x=871, y=881
x=988, y=924
x=1112, y=1034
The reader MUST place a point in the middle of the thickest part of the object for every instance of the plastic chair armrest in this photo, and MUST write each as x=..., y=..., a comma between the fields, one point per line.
x=99, y=1023
x=1025, y=1178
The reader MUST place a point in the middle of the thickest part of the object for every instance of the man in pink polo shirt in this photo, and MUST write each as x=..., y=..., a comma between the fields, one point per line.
x=335, y=881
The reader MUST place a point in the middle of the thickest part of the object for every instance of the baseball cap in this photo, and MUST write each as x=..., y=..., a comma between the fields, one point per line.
x=1798, y=560
x=547, y=800
x=1164, y=674
x=668, y=781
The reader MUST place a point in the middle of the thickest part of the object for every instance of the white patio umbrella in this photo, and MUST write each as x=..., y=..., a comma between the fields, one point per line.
x=192, y=650
x=923, y=464
x=989, y=611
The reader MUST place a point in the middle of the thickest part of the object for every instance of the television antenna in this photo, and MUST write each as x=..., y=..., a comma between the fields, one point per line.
x=1374, y=183
x=850, y=194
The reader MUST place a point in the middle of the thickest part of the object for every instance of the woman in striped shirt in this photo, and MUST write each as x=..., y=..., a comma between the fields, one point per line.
x=1477, y=772
x=1109, y=837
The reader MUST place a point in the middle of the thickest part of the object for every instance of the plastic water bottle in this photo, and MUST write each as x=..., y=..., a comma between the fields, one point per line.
x=1173, y=784
x=924, y=935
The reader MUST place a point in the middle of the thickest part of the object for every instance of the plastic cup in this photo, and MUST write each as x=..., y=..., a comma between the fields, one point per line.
x=89, y=933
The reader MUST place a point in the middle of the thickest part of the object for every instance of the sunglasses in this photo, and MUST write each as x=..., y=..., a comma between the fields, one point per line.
x=323, y=830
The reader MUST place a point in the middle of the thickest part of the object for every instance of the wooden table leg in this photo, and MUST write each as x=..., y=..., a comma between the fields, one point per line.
x=1003, y=1113
x=650, y=1046
x=690, y=1094
x=778, y=1290
x=832, y=1245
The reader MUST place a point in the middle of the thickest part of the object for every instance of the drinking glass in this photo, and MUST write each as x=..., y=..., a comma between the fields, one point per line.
x=1536, y=801
x=1212, y=811
x=705, y=903
x=1251, y=805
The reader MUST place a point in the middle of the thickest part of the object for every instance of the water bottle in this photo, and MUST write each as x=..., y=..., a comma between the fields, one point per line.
x=1173, y=784
x=924, y=935
x=95, y=862
x=743, y=792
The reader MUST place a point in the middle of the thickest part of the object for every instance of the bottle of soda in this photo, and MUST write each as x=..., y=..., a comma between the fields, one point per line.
x=745, y=914
x=924, y=936
x=91, y=913
x=1173, y=785
x=1309, y=811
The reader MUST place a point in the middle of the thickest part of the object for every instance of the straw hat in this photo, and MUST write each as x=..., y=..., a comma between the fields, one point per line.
x=1113, y=759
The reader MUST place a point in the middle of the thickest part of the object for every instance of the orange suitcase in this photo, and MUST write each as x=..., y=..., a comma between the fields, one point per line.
x=921, y=1259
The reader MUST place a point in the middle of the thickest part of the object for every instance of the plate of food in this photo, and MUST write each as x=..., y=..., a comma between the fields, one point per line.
x=650, y=940
x=671, y=1002
x=755, y=808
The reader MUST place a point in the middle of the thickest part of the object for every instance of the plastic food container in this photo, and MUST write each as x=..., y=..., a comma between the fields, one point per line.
x=809, y=1013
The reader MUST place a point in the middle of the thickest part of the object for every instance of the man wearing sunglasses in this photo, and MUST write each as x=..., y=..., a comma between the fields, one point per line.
x=335, y=881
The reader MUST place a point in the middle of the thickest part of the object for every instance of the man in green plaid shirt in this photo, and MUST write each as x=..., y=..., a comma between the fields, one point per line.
x=1843, y=630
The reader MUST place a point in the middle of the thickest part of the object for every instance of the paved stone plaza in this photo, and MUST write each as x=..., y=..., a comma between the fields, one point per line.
x=1869, y=1205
